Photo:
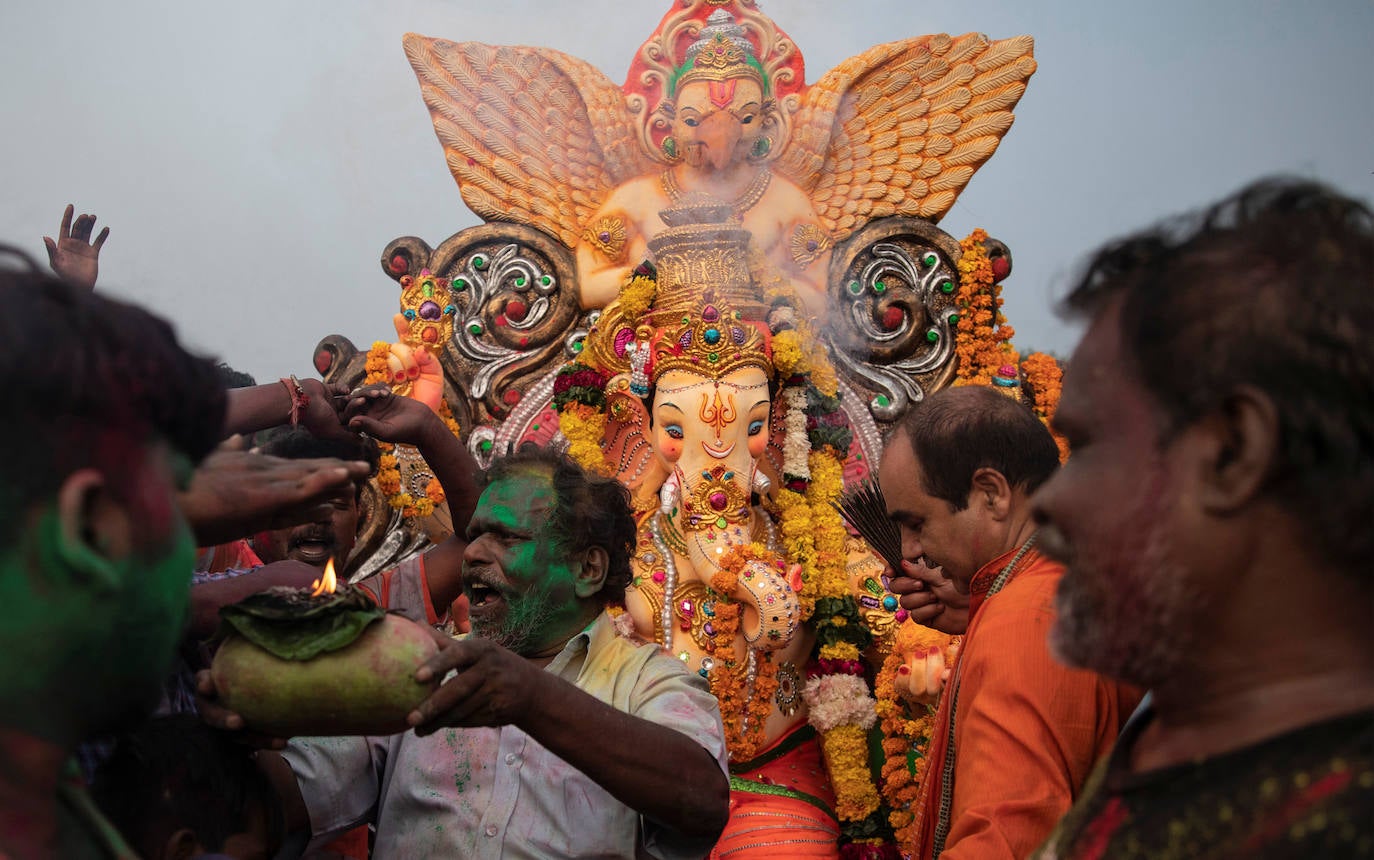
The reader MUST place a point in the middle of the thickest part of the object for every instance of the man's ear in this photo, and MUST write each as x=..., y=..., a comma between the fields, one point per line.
x=595, y=564
x=94, y=529
x=182, y=845
x=1237, y=444
x=991, y=492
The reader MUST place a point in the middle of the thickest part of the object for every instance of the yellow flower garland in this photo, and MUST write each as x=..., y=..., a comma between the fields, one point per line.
x=584, y=427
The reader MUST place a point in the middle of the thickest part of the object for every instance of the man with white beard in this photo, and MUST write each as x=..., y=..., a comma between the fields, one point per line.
x=1216, y=517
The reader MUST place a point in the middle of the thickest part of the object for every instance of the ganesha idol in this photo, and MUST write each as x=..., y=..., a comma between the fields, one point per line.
x=685, y=401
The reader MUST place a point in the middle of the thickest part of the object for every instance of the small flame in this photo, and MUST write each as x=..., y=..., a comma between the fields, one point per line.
x=327, y=583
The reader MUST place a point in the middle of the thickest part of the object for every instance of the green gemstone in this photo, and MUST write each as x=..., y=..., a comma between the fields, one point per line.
x=712, y=356
x=932, y=336
x=520, y=281
x=721, y=523
x=429, y=289
x=929, y=259
x=534, y=427
x=545, y=281
x=879, y=287
x=855, y=287
x=882, y=400
x=637, y=580
x=952, y=319
x=460, y=284
x=485, y=446
x=577, y=346
x=479, y=262
x=946, y=287
x=475, y=328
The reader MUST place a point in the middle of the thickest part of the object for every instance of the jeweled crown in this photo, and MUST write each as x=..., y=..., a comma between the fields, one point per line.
x=723, y=52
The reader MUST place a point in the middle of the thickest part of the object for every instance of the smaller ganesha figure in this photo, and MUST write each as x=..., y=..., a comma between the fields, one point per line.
x=703, y=392
x=410, y=366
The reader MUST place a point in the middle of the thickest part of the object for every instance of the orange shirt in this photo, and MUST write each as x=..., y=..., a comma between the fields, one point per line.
x=1027, y=730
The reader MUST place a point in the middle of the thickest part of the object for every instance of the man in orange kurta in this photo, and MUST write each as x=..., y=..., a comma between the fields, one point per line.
x=1017, y=733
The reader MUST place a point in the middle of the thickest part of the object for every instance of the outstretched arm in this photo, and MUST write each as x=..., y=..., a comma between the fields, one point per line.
x=384, y=415
x=72, y=255
x=495, y=687
x=235, y=493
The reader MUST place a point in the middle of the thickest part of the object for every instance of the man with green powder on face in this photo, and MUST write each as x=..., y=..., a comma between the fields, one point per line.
x=105, y=416
x=557, y=735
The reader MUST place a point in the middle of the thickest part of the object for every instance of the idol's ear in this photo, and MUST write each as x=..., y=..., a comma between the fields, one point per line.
x=94, y=529
x=627, y=445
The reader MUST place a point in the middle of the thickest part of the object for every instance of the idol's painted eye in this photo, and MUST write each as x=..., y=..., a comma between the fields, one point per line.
x=673, y=430
x=756, y=427
x=747, y=120
x=690, y=121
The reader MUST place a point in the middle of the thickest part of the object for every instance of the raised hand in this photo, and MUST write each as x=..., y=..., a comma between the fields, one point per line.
x=236, y=493
x=379, y=412
x=72, y=255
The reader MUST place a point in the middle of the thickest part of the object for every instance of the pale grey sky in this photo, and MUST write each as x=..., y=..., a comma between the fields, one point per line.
x=252, y=159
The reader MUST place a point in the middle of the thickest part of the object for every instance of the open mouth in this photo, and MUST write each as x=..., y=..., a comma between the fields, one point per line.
x=312, y=551
x=482, y=597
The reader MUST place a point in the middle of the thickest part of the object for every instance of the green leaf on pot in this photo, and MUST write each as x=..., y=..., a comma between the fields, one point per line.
x=291, y=625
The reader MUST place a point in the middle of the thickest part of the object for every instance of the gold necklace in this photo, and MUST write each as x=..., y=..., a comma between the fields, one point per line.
x=746, y=201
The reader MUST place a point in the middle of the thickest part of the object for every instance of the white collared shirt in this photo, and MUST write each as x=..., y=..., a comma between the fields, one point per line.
x=497, y=793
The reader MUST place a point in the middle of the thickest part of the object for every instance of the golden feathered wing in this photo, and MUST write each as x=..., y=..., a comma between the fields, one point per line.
x=901, y=128
x=531, y=135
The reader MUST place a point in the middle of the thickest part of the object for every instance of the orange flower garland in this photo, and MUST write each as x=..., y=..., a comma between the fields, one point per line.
x=1045, y=378
x=905, y=738
x=743, y=711
x=982, y=336
x=389, y=471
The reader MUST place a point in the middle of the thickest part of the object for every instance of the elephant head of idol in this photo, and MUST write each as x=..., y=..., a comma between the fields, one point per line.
x=688, y=414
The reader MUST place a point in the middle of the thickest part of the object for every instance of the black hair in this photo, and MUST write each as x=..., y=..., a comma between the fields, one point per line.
x=175, y=772
x=957, y=431
x=1272, y=288
x=298, y=443
x=234, y=378
x=589, y=510
x=81, y=370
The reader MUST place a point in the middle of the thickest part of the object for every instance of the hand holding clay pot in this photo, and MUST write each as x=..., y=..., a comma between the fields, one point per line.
x=323, y=664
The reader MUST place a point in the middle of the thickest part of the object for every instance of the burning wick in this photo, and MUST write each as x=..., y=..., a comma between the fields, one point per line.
x=325, y=584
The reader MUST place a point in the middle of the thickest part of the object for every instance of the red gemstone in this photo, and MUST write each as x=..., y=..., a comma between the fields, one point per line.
x=892, y=318
x=399, y=264
x=516, y=309
x=324, y=359
x=1001, y=267
x=511, y=397
x=718, y=501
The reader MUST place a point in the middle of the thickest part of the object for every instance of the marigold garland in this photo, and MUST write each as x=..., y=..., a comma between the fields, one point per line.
x=982, y=336
x=906, y=737
x=389, y=471
x=1045, y=378
x=744, y=712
